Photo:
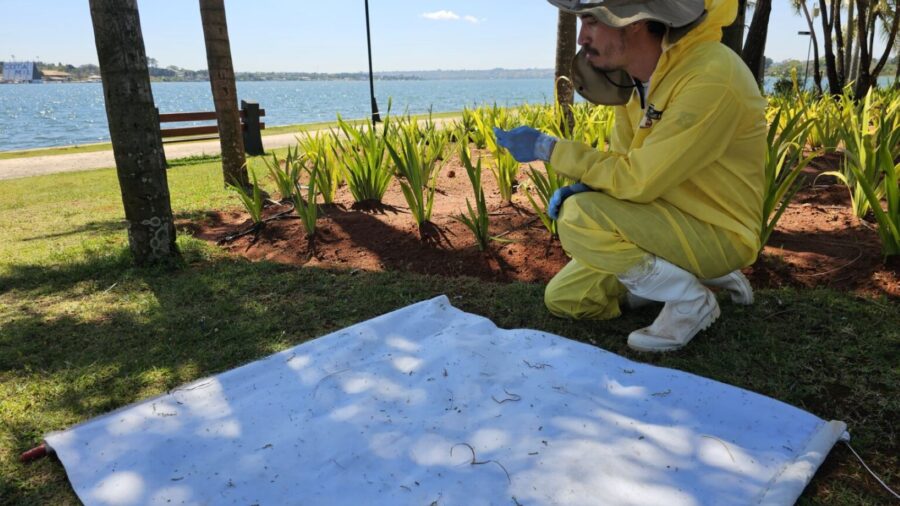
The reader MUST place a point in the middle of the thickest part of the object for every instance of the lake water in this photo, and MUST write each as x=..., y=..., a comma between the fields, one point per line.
x=40, y=115
x=43, y=115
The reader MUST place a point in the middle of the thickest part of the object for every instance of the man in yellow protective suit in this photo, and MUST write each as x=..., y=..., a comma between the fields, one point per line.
x=675, y=205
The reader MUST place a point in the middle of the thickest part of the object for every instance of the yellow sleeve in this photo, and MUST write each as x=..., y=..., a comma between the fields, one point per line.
x=694, y=131
x=622, y=132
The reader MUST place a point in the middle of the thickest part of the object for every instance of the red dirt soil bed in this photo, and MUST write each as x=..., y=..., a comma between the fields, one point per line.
x=818, y=242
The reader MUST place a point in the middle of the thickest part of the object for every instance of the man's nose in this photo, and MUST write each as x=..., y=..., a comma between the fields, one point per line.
x=583, y=38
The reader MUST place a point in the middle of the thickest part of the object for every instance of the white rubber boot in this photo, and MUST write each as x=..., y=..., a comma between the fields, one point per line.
x=632, y=301
x=689, y=306
x=736, y=284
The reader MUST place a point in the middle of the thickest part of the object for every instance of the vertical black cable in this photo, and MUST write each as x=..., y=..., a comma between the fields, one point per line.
x=375, y=116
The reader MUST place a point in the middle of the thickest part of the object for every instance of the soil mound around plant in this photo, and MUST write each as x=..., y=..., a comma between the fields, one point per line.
x=818, y=242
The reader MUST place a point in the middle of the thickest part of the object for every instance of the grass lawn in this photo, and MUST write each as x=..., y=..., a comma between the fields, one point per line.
x=82, y=332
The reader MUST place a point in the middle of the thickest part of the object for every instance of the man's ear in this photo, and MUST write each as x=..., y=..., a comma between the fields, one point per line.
x=636, y=27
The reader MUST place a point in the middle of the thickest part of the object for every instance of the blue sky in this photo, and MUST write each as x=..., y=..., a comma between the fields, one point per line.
x=329, y=36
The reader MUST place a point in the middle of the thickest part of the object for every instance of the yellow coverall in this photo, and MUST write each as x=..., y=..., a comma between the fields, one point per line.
x=683, y=180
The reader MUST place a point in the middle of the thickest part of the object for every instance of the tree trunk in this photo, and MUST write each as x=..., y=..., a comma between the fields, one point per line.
x=892, y=37
x=134, y=130
x=834, y=83
x=841, y=62
x=754, y=50
x=733, y=35
x=864, y=81
x=848, y=48
x=817, y=73
x=224, y=91
x=897, y=72
x=565, y=52
x=866, y=25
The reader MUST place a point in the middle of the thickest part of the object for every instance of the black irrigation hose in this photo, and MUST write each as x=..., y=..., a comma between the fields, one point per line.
x=256, y=227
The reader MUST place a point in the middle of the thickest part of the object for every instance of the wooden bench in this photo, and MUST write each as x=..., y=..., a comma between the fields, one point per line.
x=250, y=124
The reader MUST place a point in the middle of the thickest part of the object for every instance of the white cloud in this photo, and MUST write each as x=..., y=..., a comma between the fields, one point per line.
x=451, y=16
x=441, y=15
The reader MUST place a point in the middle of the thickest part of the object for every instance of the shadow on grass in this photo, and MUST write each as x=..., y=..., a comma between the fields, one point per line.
x=90, y=227
x=140, y=332
x=94, y=227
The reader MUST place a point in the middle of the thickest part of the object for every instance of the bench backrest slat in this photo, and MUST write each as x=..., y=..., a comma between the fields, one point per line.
x=251, y=125
x=173, y=117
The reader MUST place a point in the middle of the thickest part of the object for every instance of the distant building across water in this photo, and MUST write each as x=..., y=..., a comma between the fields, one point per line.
x=55, y=76
x=21, y=72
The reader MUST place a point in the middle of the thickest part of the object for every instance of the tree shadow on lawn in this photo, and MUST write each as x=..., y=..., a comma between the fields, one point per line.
x=828, y=353
x=106, y=226
x=89, y=227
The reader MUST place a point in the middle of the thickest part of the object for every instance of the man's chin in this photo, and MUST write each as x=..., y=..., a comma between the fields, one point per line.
x=599, y=65
x=601, y=68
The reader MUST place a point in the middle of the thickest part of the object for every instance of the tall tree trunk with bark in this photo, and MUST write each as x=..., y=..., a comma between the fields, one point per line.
x=224, y=91
x=835, y=83
x=733, y=35
x=897, y=73
x=134, y=130
x=754, y=50
x=817, y=73
x=891, y=41
x=849, y=37
x=863, y=80
x=896, y=83
x=868, y=74
x=565, y=52
x=840, y=61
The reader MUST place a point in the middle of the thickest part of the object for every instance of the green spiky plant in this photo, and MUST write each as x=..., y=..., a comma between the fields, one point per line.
x=544, y=184
x=319, y=150
x=306, y=207
x=475, y=219
x=888, y=219
x=506, y=170
x=416, y=176
x=783, y=166
x=505, y=167
x=284, y=172
x=871, y=170
x=364, y=155
x=252, y=200
x=470, y=127
x=864, y=161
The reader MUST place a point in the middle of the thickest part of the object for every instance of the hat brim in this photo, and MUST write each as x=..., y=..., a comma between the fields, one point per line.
x=600, y=87
x=668, y=12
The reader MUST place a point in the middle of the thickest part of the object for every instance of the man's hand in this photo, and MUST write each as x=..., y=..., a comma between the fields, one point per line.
x=556, y=201
x=526, y=144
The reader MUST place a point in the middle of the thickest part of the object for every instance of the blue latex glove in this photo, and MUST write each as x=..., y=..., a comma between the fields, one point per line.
x=556, y=201
x=526, y=144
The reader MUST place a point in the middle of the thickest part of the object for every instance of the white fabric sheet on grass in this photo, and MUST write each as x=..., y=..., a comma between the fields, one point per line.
x=429, y=405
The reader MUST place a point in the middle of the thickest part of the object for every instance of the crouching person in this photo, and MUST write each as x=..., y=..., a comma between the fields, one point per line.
x=675, y=206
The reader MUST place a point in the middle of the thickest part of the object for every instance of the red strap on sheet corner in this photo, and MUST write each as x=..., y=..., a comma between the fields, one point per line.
x=34, y=454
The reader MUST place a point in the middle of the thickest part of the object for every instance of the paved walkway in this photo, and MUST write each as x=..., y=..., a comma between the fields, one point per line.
x=51, y=164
